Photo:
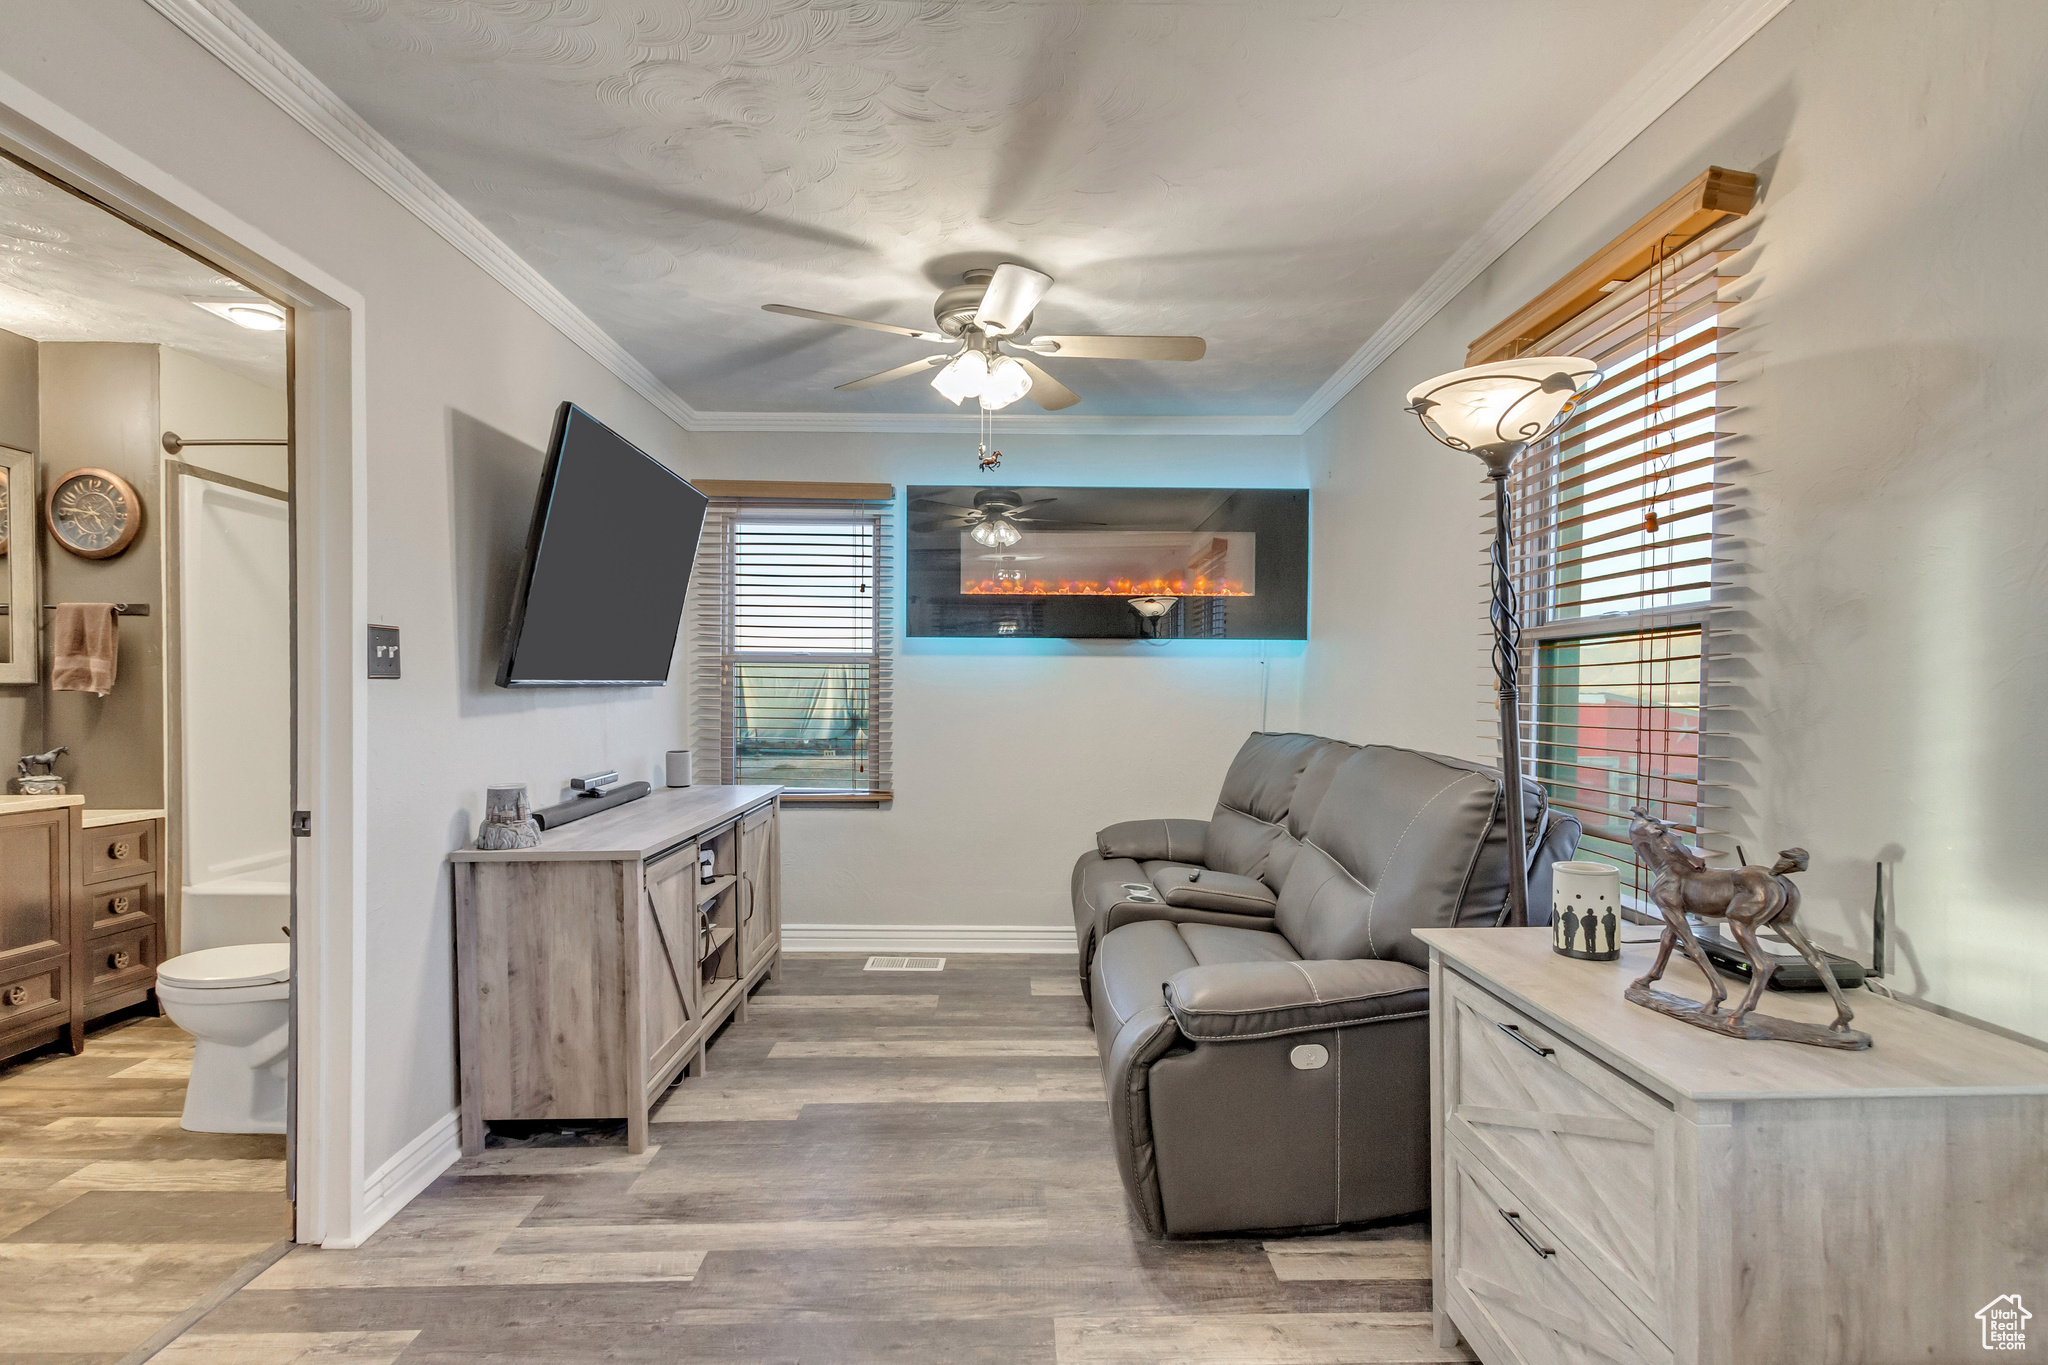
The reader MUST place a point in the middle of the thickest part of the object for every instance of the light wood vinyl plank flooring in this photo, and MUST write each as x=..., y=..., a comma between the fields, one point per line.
x=869, y=1171
x=113, y=1219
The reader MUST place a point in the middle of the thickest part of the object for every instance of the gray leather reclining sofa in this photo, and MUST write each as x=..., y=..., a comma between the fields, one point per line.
x=1260, y=1000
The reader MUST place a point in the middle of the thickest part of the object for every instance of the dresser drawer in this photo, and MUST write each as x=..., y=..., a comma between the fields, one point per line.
x=1518, y=1290
x=34, y=994
x=121, y=961
x=1580, y=1146
x=119, y=850
x=124, y=904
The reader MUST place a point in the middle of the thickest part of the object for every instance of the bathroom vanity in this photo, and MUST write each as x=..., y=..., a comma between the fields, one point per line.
x=81, y=916
x=592, y=971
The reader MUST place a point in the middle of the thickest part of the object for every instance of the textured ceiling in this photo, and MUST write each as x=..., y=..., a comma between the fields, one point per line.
x=1277, y=177
x=71, y=271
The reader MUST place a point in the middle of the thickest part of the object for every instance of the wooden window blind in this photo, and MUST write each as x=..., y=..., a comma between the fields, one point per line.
x=1620, y=560
x=792, y=621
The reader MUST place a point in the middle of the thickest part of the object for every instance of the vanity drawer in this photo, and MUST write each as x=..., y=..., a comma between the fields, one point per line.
x=127, y=904
x=119, y=850
x=1582, y=1147
x=38, y=993
x=1512, y=1278
x=122, y=961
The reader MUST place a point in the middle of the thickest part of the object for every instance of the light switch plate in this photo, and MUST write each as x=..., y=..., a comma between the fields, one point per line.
x=384, y=651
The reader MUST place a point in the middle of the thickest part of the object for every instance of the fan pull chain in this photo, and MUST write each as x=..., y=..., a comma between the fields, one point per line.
x=991, y=459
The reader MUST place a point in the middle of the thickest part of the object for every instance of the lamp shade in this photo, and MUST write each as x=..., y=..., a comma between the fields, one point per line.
x=1495, y=410
x=997, y=532
x=963, y=377
x=1007, y=382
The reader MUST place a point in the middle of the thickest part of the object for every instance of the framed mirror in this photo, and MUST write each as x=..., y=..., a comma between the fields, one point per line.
x=20, y=600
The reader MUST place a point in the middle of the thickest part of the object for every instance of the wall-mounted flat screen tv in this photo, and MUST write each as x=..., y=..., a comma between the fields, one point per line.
x=607, y=565
x=1109, y=563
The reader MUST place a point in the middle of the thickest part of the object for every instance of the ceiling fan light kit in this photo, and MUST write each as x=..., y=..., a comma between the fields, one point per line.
x=989, y=310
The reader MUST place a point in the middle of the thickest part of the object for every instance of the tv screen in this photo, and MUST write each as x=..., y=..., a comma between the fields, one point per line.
x=607, y=564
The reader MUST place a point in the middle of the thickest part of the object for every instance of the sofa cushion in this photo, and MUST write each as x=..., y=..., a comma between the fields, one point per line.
x=1395, y=846
x=1213, y=944
x=1204, y=889
x=1181, y=840
x=1309, y=791
x=1236, y=1001
x=1251, y=811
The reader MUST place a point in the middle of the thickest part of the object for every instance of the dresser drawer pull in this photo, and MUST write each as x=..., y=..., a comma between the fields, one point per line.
x=1515, y=1033
x=15, y=995
x=1515, y=1222
x=118, y=850
x=119, y=960
x=121, y=904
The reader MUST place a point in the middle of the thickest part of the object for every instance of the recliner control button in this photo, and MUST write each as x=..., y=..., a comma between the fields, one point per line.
x=1309, y=1057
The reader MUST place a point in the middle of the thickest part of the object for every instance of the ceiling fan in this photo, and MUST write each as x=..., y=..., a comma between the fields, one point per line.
x=988, y=314
x=996, y=519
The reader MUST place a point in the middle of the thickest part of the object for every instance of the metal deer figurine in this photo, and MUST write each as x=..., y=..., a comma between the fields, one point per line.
x=1748, y=899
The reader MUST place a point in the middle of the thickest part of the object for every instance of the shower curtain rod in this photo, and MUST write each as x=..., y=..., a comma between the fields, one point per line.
x=173, y=442
x=120, y=608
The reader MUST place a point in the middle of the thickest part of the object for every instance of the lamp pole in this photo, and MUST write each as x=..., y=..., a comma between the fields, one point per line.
x=1507, y=667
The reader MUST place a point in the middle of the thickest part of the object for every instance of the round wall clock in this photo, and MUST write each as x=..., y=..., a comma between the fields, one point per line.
x=93, y=514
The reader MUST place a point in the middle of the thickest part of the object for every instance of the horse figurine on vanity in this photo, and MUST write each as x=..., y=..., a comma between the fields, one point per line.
x=1747, y=899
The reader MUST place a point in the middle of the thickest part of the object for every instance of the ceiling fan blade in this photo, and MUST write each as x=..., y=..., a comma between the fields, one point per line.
x=1048, y=521
x=938, y=525
x=932, y=505
x=1011, y=296
x=1121, y=348
x=1046, y=391
x=901, y=370
x=815, y=316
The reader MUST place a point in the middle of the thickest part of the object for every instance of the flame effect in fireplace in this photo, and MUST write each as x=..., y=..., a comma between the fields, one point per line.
x=1115, y=587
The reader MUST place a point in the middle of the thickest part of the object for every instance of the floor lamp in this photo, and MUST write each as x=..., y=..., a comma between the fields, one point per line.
x=1496, y=412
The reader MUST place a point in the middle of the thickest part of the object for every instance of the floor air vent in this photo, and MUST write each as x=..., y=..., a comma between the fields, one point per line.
x=906, y=964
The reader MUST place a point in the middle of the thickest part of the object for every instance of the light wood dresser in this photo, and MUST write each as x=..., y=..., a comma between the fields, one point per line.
x=1611, y=1185
x=592, y=971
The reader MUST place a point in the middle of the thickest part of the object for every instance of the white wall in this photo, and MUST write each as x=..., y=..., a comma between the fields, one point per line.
x=462, y=382
x=1892, y=413
x=1010, y=754
x=202, y=401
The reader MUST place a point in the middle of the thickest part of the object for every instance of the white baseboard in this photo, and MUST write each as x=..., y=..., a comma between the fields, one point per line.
x=411, y=1169
x=927, y=938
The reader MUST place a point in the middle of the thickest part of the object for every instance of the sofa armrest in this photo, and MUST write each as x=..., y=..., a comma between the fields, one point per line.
x=1202, y=889
x=1236, y=1001
x=1180, y=841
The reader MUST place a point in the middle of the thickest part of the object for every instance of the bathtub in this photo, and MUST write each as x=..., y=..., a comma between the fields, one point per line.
x=251, y=907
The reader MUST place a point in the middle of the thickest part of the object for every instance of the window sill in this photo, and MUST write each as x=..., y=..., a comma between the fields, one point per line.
x=837, y=798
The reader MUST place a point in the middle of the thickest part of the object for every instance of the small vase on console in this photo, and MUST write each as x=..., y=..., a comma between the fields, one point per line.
x=508, y=819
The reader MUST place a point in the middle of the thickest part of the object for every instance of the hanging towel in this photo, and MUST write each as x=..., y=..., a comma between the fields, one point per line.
x=85, y=645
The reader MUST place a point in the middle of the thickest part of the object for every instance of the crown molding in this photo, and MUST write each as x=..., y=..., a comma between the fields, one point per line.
x=245, y=49
x=1282, y=424
x=1710, y=39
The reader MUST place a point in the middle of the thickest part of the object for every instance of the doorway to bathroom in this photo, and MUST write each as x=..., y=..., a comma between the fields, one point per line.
x=146, y=691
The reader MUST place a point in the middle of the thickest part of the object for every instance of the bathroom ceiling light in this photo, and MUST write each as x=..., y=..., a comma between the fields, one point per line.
x=250, y=313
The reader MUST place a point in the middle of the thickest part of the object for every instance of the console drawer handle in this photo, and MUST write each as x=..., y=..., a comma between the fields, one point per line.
x=15, y=995
x=1514, y=1031
x=121, y=904
x=118, y=960
x=1515, y=1222
x=118, y=850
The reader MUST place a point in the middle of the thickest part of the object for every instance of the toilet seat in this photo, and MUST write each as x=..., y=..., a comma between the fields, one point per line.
x=237, y=965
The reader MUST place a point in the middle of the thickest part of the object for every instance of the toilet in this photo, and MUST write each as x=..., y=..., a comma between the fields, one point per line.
x=235, y=1002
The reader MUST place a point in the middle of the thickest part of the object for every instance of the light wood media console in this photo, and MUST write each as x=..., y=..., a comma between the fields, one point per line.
x=592, y=971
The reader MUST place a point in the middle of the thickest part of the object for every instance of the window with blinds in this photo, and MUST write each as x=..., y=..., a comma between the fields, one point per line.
x=792, y=622
x=1616, y=521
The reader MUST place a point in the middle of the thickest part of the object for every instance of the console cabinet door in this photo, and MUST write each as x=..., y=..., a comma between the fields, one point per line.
x=668, y=972
x=760, y=890
x=35, y=886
